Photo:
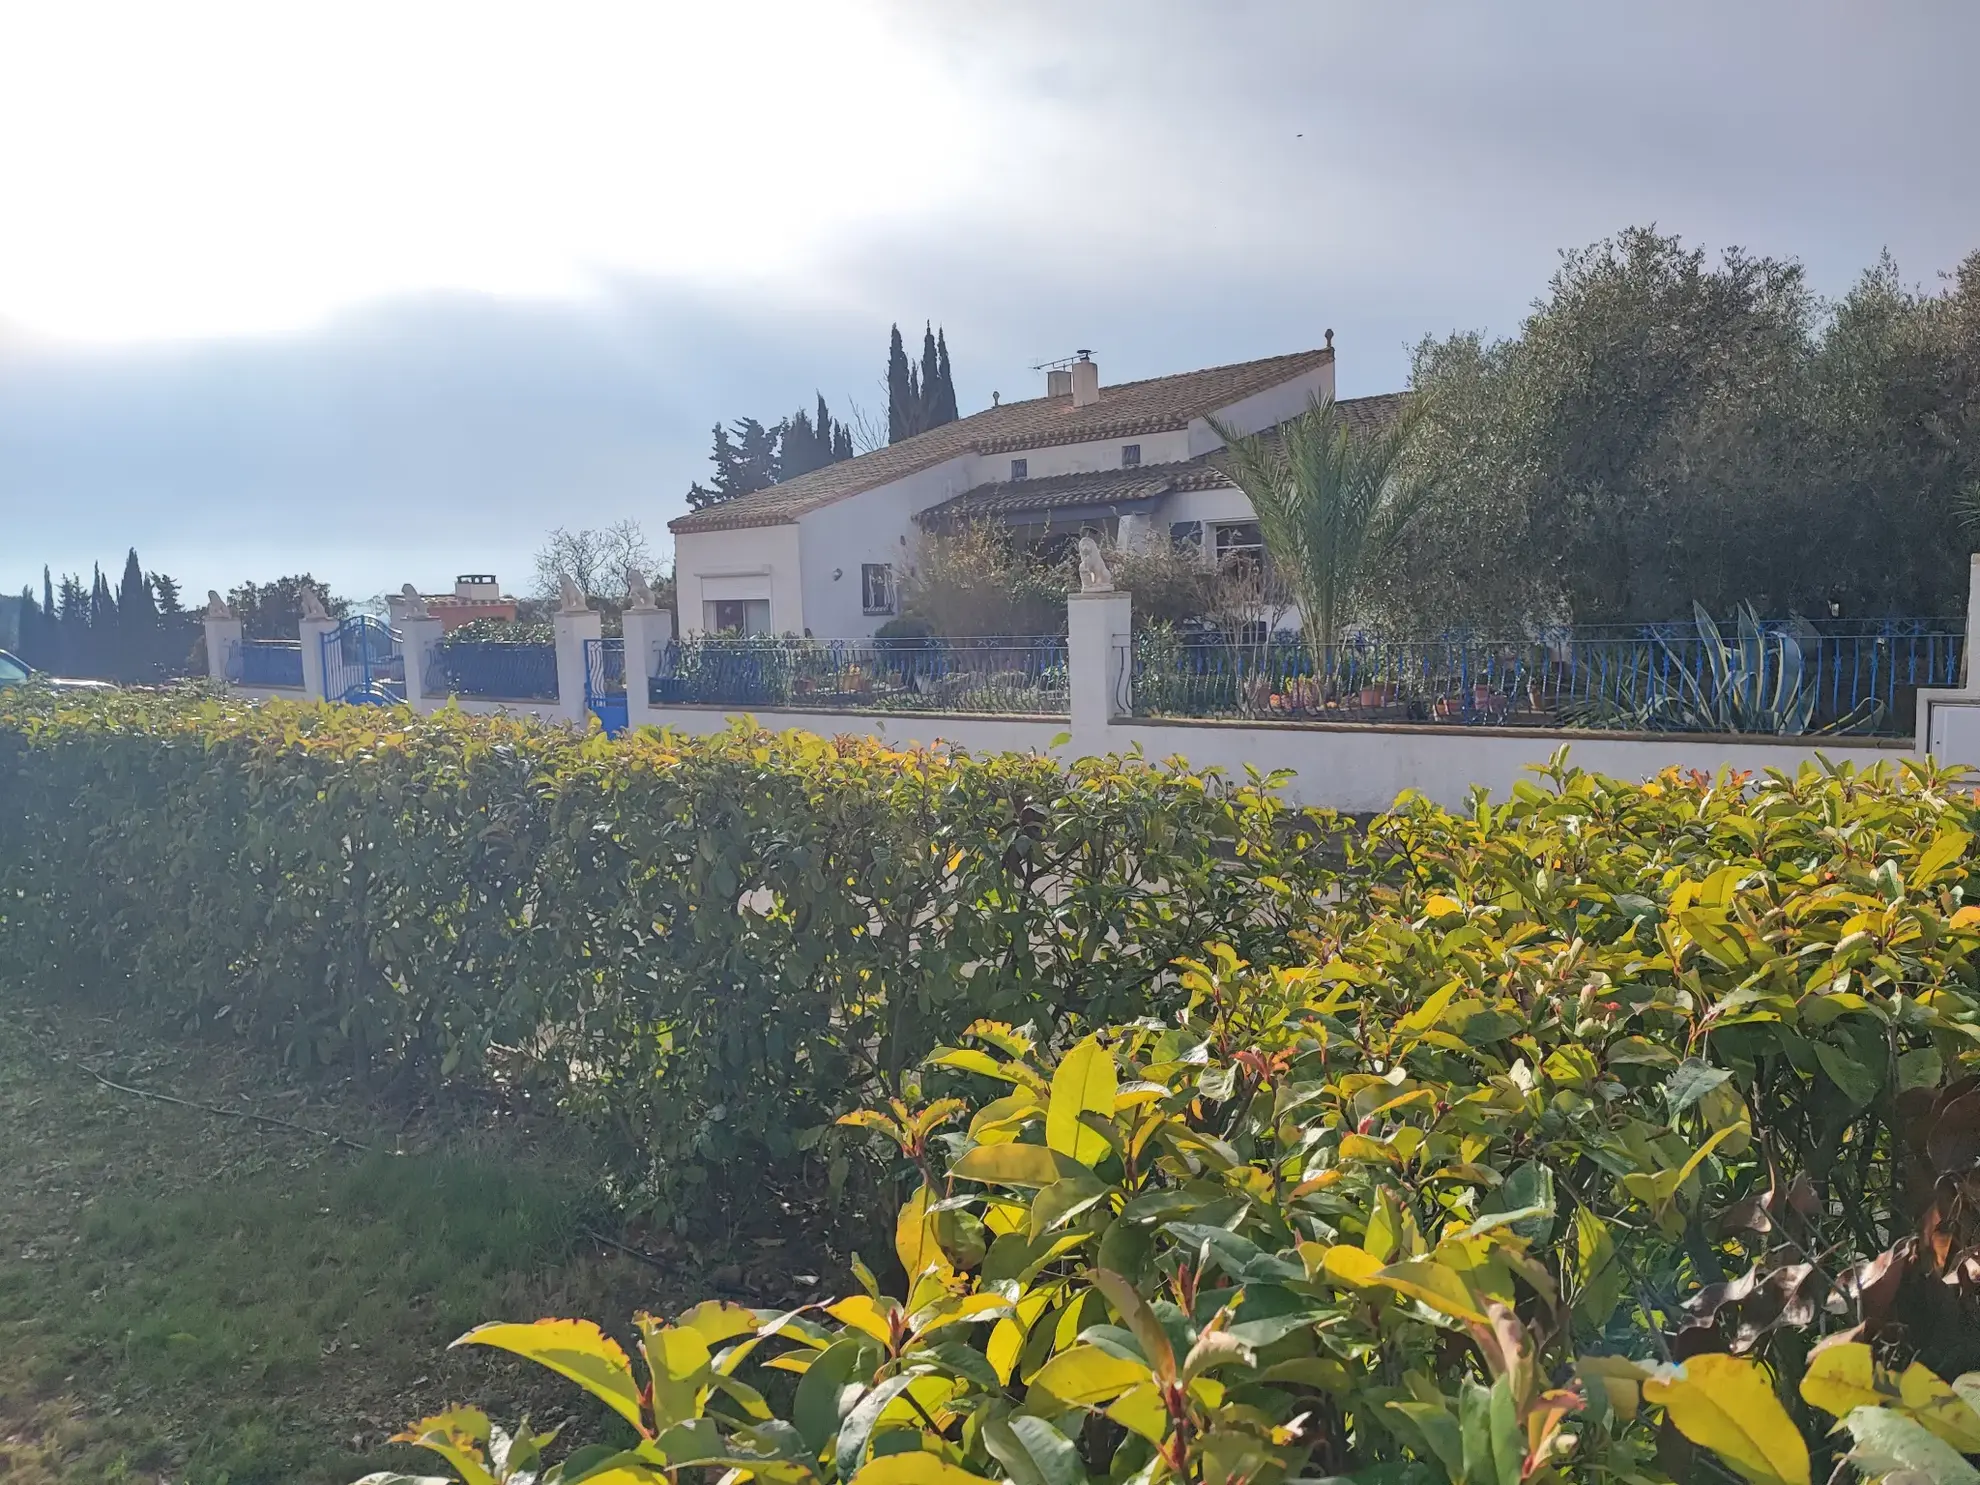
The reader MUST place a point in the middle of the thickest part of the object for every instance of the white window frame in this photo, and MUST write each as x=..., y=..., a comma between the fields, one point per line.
x=1221, y=547
x=887, y=602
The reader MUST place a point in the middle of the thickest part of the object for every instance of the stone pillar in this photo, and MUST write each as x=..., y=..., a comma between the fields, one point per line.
x=223, y=635
x=417, y=637
x=1948, y=721
x=1098, y=626
x=573, y=628
x=648, y=633
x=1969, y=663
x=311, y=633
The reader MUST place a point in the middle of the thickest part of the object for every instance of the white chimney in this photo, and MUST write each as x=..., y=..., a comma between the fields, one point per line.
x=1058, y=383
x=1085, y=380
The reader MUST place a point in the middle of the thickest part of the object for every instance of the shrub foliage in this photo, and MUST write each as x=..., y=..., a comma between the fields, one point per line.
x=1456, y=1199
x=1610, y=1132
x=714, y=945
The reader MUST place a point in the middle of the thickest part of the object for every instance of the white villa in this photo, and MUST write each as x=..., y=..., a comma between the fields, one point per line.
x=821, y=553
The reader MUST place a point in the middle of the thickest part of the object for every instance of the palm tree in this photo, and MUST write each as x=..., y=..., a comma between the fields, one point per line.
x=1332, y=504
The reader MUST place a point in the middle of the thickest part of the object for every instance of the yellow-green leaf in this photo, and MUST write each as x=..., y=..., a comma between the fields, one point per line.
x=1086, y=1375
x=576, y=1349
x=458, y=1436
x=1140, y=1410
x=1842, y=1377
x=914, y=1238
x=1440, y=1287
x=1015, y=1165
x=1925, y=1395
x=1085, y=1082
x=914, y=1467
x=1351, y=1265
x=1947, y=847
x=862, y=1313
x=1726, y=1404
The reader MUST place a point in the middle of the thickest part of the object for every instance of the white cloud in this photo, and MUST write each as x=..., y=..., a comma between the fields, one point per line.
x=205, y=167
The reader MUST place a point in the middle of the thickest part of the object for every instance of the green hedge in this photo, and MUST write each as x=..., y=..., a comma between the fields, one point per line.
x=712, y=945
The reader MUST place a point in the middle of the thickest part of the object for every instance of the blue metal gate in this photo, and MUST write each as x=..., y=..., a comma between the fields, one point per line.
x=363, y=663
x=605, y=683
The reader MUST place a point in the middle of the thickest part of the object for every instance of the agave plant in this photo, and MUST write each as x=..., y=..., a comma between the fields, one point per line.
x=1757, y=681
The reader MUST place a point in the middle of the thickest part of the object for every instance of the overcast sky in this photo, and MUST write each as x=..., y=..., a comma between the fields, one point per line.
x=383, y=291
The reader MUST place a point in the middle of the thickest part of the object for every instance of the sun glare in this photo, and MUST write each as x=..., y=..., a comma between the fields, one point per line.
x=246, y=168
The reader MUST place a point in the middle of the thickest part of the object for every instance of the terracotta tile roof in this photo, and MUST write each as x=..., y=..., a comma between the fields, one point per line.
x=1371, y=414
x=1145, y=482
x=1103, y=487
x=1159, y=404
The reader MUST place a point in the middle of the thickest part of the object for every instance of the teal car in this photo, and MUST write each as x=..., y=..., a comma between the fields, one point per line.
x=15, y=671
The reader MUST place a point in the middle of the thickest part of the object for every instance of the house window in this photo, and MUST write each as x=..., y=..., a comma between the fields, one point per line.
x=876, y=587
x=736, y=615
x=1020, y=468
x=1186, y=536
x=1240, y=539
x=1130, y=455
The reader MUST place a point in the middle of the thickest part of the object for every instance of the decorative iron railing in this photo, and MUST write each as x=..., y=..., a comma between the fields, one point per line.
x=504, y=670
x=1024, y=676
x=267, y=662
x=1864, y=675
x=605, y=667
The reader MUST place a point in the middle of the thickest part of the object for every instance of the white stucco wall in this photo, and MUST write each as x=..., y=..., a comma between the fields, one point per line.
x=1226, y=503
x=874, y=526
x=1344, y=767
x=753, y=562
x=1264, y=409
x=1079, y=458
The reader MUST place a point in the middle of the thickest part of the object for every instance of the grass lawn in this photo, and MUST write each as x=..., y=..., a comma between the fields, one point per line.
x=207, y=1301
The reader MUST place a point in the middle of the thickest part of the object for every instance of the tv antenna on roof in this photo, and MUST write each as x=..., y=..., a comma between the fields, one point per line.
x=1064, y=361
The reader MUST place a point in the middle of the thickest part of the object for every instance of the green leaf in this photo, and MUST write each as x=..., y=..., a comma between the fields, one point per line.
x=1692, y=1081
x=1033, y=1451
x=858, y=1424
x=815, y=1403
x=1859, y=1084
x=1140, y=1320
x=1508, y=1438
x=1921, y=1069
x=1598, y=1270
x=1440, y=1431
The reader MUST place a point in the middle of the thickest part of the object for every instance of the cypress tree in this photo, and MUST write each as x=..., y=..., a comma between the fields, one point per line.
x=134, y=605
x=931, y=383
x=167, y=591
x=901, y=420
x=944, y=409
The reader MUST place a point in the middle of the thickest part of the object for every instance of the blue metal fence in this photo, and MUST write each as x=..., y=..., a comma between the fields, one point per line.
x=267, y=662
x=1866, y=673
x=363, y=662
x=605, y=683
x=1023, y=676
x=505, y=670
